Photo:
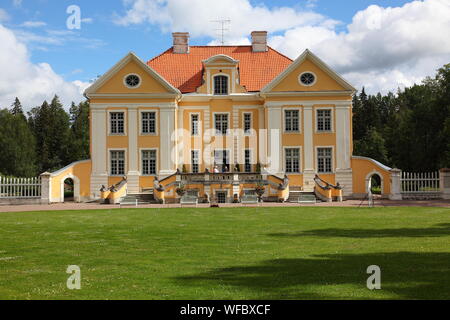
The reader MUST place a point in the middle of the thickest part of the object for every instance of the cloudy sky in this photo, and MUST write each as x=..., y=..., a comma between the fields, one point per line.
x=379, y=44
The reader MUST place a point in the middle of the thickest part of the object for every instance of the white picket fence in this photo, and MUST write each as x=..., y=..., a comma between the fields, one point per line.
x=420, y=184
x=20, y=188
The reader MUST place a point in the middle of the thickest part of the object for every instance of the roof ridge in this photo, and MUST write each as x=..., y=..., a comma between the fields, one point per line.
x=159, y=55
x=279, y=53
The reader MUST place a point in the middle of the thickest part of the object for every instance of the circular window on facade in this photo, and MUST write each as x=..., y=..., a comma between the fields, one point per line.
x=307, y=78
x=132, y=81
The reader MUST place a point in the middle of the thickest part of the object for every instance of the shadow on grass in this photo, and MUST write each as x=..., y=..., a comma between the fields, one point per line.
x=439, y=230
x=404, y=275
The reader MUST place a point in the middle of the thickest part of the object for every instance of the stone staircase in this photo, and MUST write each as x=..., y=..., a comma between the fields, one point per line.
x=297, y=196
x=138, y=199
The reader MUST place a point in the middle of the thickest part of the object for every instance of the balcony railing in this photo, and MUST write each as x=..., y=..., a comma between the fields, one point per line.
x=220, y=177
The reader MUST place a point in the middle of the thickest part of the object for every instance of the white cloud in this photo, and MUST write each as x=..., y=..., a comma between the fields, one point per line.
x=382, y=48
x=33, y=24
x=17, y=3
x=197, y=16
x=32, y=83
x=311, y=3
x=4, y=16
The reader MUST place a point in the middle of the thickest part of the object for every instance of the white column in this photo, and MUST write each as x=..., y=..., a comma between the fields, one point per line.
x=308, y=148
x=262, y=138
x=181, y=141
x=133, y=152
x=99, y=174
x=343, y=152
x=46, y=188
x=343, y=137
x=396, y=185
x=274, y=146
x=444, y=176
x=168, y=140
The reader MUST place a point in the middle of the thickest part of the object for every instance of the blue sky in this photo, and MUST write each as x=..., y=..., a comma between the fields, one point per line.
x=110, y=29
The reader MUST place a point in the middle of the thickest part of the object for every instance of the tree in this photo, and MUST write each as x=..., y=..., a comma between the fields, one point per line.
x=372, y=145
x=16, y=108
x=79, y=117
x=51, y=126
x=17, y=145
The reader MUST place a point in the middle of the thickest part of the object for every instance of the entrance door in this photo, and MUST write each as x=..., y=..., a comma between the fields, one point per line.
x=221, y=197
x=222, y=160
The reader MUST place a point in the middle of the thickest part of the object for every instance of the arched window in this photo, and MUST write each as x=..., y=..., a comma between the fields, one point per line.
x=220, y=85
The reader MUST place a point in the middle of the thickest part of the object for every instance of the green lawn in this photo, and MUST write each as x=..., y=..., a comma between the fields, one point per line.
x=238, y=253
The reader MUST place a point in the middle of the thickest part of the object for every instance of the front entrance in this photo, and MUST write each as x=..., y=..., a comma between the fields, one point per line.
x=221, y=196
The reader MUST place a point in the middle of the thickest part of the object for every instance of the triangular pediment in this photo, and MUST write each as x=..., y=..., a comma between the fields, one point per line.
x=113, y=81
x=326, y=79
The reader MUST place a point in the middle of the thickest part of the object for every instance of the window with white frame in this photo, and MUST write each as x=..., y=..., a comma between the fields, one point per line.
x=195, y=118
x=148, y=122
x=292, y=156
x=221, y=123
x=148, y=162
x=324, y=120
x=222, y=160
x=247, y=123
x=195, y=161
x=117, y=163
x=220, y=85
x=248, y=161
x=117, y=122
x=292, y=120
x=325, y=160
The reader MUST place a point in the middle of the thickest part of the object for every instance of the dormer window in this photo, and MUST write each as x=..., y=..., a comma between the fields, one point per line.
x=221, y=85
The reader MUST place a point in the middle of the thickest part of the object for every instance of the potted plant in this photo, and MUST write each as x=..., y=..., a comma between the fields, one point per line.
x=181, y=190
x=260, y=189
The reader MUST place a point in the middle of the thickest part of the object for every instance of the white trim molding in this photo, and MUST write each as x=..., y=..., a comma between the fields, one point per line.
x=322, y=65
x=119, y=65
x=127, y=85
x=307, y=85
x=125, y=150
x=369, y=177
x=125, y=123
x=316, y=129
x=333, y=159
x=300, y=124
x=141, y=111
x=229, y=84
x=76, y=188
x=141, y=168
x=300, y=162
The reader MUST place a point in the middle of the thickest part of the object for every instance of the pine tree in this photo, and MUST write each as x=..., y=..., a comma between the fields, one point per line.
x=16, y=109
x=51, y=127
x=17, y=145
x=79, y=117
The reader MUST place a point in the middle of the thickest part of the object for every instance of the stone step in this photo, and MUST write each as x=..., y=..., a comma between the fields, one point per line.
x=141, y=198
x=302, y=197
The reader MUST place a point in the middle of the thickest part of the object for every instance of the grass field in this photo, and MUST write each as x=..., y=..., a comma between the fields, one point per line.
x=233, y=253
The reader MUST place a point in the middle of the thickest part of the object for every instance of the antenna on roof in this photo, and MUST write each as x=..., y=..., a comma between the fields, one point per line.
x=222, y=29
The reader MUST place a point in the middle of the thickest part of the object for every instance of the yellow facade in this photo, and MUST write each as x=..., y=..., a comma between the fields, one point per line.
x=173, y=142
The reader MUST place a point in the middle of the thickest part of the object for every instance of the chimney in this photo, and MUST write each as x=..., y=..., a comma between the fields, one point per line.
x=259, y=41
x=180, y=42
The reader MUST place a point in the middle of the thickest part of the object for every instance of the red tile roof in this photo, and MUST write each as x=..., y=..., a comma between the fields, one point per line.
x=184, y=71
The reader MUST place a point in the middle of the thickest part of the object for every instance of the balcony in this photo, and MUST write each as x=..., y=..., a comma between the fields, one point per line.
x=223, y=178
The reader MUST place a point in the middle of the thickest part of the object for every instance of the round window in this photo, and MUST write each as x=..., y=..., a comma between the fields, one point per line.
x=132, y=81
x=307, y=79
